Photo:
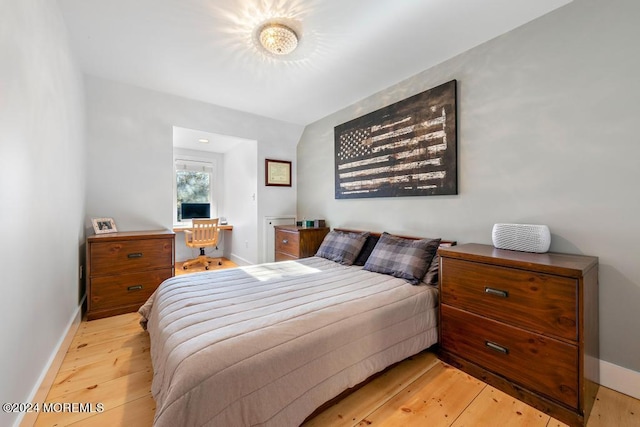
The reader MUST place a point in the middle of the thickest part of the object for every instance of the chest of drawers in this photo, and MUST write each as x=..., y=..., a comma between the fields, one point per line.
x=124, y=269
x=524, y=323
x=294, y=242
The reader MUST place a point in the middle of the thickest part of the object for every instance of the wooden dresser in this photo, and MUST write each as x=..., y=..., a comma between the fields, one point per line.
x=123, y=270
x=525, y=323
x=294, y=242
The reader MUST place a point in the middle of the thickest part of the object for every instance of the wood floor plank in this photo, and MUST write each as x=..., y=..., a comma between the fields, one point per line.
x=124, y=347
x=111, y=394
x=495, y=408
x=370, y=397
x=106, y=369
x=133, y=337
x=137, y=413
x=90, y=338
x=436, y=399
x=557, y=423
x=107, y=323
x=198, y=268
x=614, y=409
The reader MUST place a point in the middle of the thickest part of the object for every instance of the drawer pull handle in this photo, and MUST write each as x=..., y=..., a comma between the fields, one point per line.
x=135, y=288
x=496, y=292
x=135, y=255
x=496, y=347
x=285, y=241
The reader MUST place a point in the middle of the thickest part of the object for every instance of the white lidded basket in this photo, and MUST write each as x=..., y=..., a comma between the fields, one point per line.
x=521, y=237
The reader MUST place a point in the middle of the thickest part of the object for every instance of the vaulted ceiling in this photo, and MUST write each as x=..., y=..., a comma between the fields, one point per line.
x=349, y=49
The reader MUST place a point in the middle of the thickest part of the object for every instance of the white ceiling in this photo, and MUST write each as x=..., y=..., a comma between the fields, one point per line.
x=349, y=49
x=194, y=140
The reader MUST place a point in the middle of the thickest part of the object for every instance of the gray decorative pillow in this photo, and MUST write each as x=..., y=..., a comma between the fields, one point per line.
x=342, y=247
x=400, y=257
x=367, y=248
x=431, y=278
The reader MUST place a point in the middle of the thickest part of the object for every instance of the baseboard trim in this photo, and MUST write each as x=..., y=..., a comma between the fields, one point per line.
x=620, y=379
x=48, y=375
x=238, y=260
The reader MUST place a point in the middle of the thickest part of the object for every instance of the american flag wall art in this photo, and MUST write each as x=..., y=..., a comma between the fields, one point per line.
x=405, y=149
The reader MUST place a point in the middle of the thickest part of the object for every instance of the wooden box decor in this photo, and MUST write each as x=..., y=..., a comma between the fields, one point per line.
x=405, y=149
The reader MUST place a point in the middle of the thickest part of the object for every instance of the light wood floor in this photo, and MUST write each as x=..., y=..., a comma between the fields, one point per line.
x=108, y=362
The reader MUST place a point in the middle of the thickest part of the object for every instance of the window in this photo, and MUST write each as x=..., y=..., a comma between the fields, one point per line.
x=193, y=185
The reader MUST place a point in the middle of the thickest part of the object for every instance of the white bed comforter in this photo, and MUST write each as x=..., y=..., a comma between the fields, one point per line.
x=268, y=344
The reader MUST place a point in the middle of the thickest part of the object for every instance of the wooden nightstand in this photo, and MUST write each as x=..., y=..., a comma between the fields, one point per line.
x=294, y=242
x=525, y=323
x=124, y=269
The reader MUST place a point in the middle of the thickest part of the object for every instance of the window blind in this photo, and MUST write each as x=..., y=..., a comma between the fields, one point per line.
x=194, y=166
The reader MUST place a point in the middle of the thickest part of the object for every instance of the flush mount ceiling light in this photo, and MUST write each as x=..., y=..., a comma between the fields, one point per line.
x=278, y=39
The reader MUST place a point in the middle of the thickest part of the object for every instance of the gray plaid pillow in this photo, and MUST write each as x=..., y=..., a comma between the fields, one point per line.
x=342, y=247
x=431, y=277
x=404, y=258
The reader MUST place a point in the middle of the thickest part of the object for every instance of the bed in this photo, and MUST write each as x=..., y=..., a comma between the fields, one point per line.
x=268, y=344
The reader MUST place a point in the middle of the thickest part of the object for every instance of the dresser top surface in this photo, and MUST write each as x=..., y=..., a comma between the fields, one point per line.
x=131, y=235
x=298, y=228
x=550, y=262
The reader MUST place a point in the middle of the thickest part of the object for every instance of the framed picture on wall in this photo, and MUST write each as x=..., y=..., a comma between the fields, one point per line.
x=103, y=225
x=408, y=148
x=277, y=173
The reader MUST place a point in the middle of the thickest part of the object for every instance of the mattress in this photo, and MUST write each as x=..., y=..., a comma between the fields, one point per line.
x=266, y=345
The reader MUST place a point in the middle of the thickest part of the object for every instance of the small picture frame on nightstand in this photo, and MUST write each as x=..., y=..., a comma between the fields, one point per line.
x=103, y=225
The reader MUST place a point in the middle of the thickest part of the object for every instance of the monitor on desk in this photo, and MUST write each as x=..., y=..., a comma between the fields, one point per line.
x=195, y=210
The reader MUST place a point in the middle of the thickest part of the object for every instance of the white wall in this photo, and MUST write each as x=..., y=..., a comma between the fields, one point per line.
x=276, y=201
x=241, y=202
x=547, y=135
x=130, y=131
x=42, y=160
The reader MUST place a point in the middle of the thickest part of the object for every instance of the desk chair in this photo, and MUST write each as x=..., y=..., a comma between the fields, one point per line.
x=204, y=233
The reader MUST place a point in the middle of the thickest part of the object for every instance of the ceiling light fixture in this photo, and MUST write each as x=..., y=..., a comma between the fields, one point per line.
x=203, y=141
x=278, y=39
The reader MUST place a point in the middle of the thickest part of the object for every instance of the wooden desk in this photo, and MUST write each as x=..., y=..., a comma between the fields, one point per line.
x=179, y=228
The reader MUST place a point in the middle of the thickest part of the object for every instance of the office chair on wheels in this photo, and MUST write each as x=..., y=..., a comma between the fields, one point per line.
x=204, y=233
